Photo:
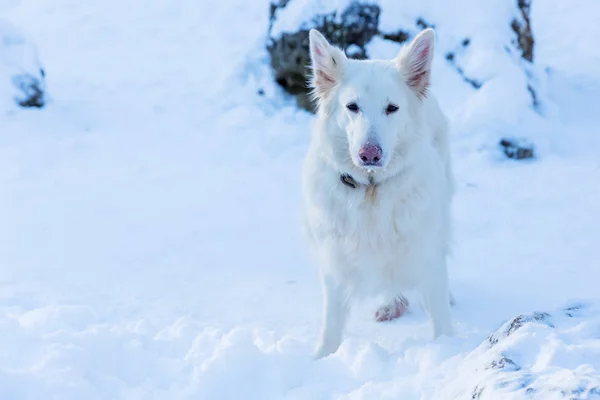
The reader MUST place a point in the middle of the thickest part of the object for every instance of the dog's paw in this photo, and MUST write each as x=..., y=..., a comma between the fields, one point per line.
x=391, y=311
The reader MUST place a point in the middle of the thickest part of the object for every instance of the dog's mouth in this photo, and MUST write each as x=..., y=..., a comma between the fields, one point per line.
x=371, y=171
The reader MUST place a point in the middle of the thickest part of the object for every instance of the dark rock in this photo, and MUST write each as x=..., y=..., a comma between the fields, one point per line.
x=20, y=59
x=475, y=83
x=290, y=60
x=360, y=23
x=518, y=149
x=534, y=98
x=351, y=29
x=504, y=363
x=32, y=89
x=422, y=24
x=522, y=27
x=477, y=392
x=274, y=6
x=356, y=53
x=398, y=37
x=451, y=58
x=512, y=326
x=575, y=310
x=518, y=322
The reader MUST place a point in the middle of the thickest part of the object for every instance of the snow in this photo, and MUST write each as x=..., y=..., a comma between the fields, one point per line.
x=566, y=36
x=150, y=244
x=300, y=14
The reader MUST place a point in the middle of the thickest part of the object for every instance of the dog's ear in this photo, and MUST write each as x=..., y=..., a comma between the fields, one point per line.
x=414, y=62
x=327, y=63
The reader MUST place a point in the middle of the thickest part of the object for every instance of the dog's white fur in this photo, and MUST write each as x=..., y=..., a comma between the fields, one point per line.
x=391, y=233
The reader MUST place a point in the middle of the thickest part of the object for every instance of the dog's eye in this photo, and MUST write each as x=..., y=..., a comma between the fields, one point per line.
x=391, y=108
x=352, y=107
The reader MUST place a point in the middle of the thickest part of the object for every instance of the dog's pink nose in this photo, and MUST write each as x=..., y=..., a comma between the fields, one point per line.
x=370, y=154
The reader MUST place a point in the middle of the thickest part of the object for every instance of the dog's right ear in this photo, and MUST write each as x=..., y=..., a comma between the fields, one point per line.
x=327, y=62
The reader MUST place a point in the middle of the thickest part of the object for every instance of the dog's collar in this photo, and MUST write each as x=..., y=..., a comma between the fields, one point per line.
x=349, y=181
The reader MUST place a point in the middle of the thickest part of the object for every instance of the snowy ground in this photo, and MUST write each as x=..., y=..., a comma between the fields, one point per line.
x=150, y=246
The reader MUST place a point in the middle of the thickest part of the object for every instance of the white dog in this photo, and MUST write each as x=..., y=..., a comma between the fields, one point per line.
x=377, y=183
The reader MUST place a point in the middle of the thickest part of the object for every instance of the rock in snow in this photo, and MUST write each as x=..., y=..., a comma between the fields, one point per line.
x=22, y=76
x=517, y=148
x=508, y=364
x=351, y=29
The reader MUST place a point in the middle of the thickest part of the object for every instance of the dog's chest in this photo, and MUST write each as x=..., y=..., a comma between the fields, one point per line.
x=371, y=235
x=368, y=217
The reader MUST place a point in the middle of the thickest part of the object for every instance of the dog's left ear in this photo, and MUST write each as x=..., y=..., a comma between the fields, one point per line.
x=415, y=60
x=327, y=63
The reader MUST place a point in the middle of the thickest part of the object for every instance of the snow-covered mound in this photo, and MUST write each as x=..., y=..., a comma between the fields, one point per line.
x=534, y=356
x=482, y=70
x=150, y=246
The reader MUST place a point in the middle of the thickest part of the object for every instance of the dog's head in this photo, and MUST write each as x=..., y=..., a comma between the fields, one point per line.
x=372, y=101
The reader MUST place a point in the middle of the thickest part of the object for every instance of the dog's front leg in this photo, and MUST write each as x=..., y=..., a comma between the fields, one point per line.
x=436, y=295
x=335, y=311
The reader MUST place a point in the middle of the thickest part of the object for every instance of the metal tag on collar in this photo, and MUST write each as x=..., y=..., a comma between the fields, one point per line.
x=348, y=181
